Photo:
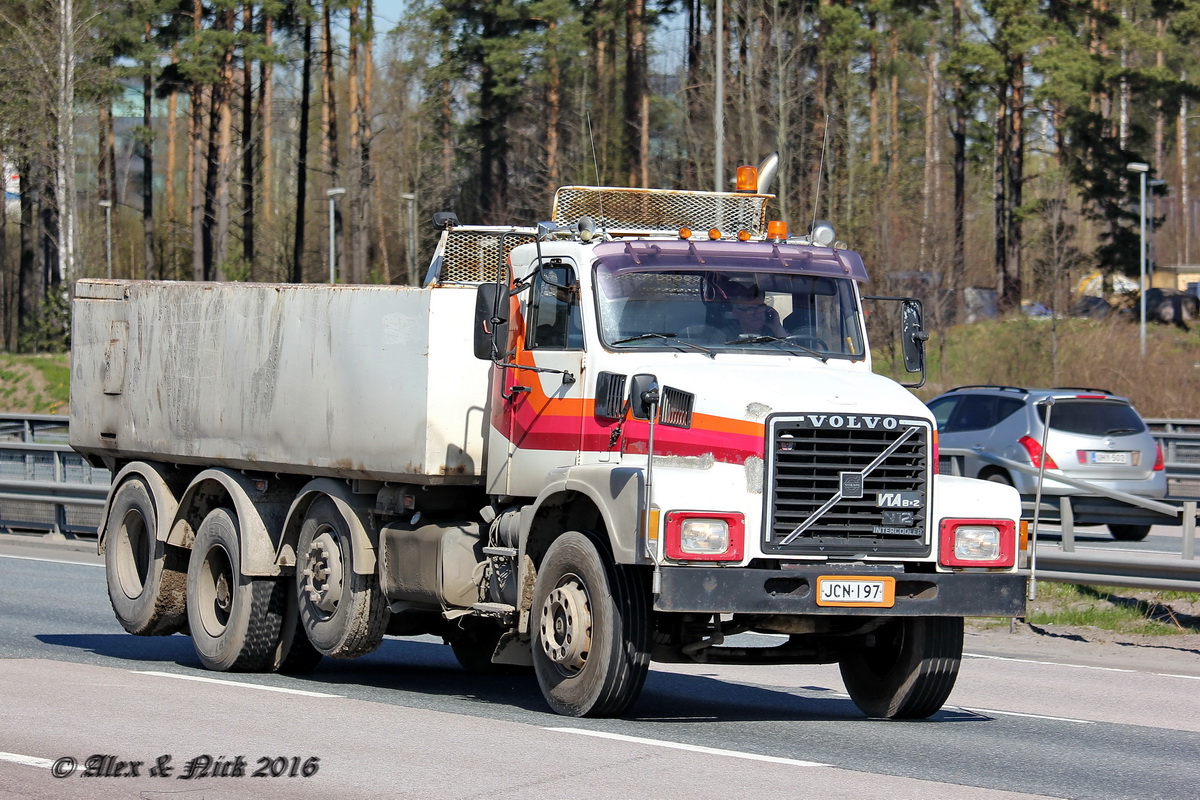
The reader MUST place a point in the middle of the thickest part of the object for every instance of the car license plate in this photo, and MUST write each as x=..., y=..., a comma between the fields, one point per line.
x=843, y=590
x=1109, y=457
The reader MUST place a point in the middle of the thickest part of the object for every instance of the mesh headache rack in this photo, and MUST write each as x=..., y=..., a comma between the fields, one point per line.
x=471, y=253
x=640, y=211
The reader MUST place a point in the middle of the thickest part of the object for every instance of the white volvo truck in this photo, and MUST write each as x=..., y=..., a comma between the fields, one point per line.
x=579, y=447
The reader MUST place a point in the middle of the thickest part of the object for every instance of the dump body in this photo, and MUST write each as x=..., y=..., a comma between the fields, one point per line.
x=374, y=383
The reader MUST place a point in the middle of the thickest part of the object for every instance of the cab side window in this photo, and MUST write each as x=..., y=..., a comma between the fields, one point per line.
x=554, y=319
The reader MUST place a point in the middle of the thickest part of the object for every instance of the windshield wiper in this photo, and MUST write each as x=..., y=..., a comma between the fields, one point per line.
x=671, y=339
x=1112, y=431
x=759, y=339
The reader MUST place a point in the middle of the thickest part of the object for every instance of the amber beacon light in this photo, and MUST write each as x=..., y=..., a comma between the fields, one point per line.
x=747, y=179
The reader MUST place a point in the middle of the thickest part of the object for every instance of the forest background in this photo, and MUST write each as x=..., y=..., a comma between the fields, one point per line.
x=968, y=143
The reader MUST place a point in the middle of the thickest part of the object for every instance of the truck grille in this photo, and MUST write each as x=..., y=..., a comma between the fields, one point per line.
x=848, y=485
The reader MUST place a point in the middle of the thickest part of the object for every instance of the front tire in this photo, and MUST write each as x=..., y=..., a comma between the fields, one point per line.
x=343, y=613
x=147, y=578
x=591, y=630
x=1129, y=533
x=910, y=670
x=235, y=619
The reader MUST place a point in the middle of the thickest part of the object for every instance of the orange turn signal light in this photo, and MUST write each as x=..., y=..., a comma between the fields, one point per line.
x=747, y=179
x=714, y=233
x=685, y=233
x=743, y=236
x=777, y=229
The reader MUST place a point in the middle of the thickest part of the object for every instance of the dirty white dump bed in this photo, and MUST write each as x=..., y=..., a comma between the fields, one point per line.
x=375, y=382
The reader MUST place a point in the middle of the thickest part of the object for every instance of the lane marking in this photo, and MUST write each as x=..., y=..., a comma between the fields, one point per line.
x=690, y=747
x=53, y=561
x=982, y=711
x=1080, y=666
x=239, y=684
x=29, y=761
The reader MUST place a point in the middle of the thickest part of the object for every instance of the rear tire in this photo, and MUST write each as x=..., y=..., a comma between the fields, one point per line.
x=591, y=630
x=295, y=654
x=910, y=670
x=147, y=578
x=1129, y=533
x=999, y=477
x=235, y=619
x=344, y=614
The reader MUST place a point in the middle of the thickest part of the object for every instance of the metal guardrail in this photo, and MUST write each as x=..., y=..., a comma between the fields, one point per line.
x=1180, y=441
x=1063, y=564
x=45, y=486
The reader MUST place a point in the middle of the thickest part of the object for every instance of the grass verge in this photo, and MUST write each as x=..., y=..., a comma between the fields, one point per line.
x=1115, y=609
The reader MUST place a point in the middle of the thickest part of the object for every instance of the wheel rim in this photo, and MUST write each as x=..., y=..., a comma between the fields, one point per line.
x=566, y=625
x=323, y=572
x=133, y=554
x=215, y=591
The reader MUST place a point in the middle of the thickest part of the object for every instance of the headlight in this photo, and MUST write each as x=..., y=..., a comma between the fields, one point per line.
x=978, y=543
x=704, y=536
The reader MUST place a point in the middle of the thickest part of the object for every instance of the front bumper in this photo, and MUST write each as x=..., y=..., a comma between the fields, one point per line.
x=739, y=590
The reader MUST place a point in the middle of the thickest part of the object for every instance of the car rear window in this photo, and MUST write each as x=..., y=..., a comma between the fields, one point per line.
x=1093, y=418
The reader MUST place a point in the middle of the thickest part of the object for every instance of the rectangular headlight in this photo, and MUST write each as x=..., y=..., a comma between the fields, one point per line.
x=978, y=543
x=704, y=536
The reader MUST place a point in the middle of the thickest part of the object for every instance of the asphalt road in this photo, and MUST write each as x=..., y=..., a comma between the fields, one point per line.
x=1028, y=718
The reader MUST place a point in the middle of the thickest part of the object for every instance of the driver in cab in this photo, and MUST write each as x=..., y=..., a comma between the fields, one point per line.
x=751, y=315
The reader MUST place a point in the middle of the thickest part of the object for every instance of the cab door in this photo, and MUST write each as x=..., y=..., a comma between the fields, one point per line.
x=543, y=399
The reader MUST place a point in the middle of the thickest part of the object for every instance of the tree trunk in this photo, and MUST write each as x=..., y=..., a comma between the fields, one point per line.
x=297, y=275
x=329, y=129
x=372, y=186
x=553, y=106
x=959, y=262
x=219, y=146
x=1185, y=206
x=29, y=287
x=266, y=116
x=201, y=248
x=873, y=92
x=1000, y=188
x=148, y=164
x=65, y=141
x=931, y=149
x=248, y=144
x=358, y=188
x=172, y=158
x=1011, y=293
x=637, y=95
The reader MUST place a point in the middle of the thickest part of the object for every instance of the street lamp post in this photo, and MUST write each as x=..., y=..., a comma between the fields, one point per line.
x=1141, y=169
x=333, y=194
x=107, y=206
x=412, y=235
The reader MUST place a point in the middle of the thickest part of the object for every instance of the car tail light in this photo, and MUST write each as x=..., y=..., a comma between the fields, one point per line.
x=1035, y=452
x=1158, y=458
x=978, y=543
x=705, y=536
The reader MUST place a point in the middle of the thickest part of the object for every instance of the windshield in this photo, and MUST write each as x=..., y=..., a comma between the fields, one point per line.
x=728, y=309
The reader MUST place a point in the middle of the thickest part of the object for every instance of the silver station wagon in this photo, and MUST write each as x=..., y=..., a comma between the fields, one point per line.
x=1094, y=436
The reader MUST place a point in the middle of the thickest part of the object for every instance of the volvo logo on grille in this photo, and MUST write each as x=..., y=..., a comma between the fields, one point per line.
x=852, y=421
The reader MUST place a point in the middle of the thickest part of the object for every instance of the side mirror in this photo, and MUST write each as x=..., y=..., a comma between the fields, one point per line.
x=491, y=321
x=643, y=395
x=912, y=336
